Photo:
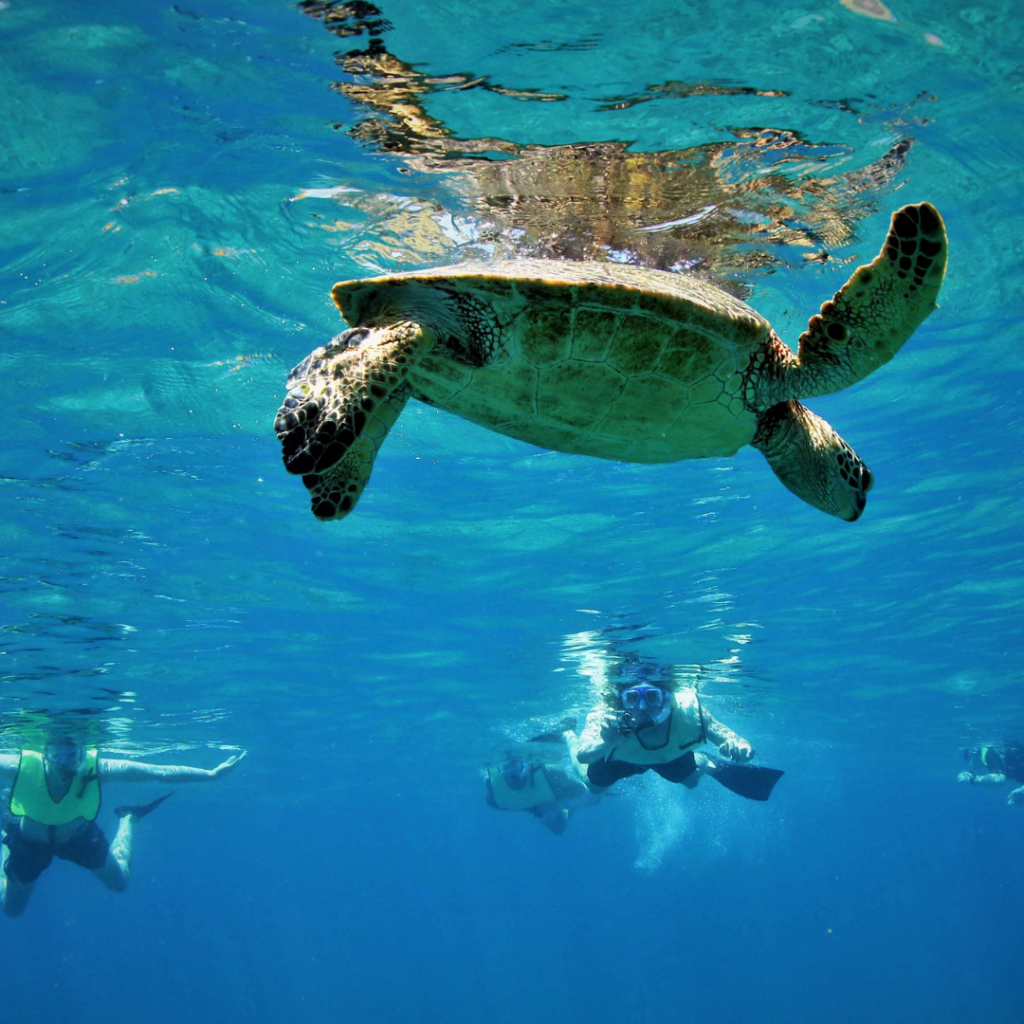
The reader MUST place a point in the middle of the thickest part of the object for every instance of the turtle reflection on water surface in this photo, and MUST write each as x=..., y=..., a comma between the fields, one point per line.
x=606, y=360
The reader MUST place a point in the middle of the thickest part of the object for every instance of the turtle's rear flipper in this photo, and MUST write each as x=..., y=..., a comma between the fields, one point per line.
x=812, y=460
x=342, y=400
x=878, y=309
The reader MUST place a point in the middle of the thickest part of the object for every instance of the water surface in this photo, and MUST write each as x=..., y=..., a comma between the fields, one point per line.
x=179, y=188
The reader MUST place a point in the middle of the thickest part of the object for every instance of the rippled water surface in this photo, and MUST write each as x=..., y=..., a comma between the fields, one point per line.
x=180, y=186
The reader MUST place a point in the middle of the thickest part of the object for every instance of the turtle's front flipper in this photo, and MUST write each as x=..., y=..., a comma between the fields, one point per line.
x=877, y=310
x=812, y=460
x=342, y=400
x=334, y=494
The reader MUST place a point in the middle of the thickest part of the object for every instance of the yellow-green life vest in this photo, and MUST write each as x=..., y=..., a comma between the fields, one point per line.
x=685, y=731
x=993, y=758
x=537, y=790
x=31, y=799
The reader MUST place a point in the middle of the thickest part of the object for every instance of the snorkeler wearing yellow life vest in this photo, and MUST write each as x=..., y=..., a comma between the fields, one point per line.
x=550, y=790
x=993, y=765
x=52, y=809
x=646, y=723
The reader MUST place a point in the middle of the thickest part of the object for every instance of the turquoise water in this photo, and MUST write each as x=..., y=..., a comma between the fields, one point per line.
x=180, y=186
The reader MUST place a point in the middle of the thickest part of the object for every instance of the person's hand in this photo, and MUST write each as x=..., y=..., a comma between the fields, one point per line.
x=966, y=777
x=736, y=749
x=225, y=766
x=610, y=729
x=1016, y=797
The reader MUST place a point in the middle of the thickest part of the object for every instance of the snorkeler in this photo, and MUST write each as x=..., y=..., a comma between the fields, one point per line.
x=994, y=765
x=648, y=722
x=551, y=792
x=52, y=807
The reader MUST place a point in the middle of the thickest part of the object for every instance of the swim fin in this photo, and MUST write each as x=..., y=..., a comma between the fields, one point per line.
x=749, y=780
x=138, y=811
x=554, y=819
x=566, y=725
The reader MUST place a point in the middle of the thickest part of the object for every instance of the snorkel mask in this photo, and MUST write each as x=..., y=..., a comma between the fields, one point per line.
x=644, y=705
x=516, y=773
x=64, y=754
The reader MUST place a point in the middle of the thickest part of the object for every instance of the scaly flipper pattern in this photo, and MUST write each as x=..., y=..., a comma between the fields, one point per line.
x=867, y=321
x=342, y=400
x=334, y=494
x=812, y=460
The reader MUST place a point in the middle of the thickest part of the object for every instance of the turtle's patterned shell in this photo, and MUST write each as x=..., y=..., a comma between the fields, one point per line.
x=598, y=359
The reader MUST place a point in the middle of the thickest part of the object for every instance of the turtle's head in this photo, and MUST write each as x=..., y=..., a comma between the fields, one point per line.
x=813, y=461
x=342, y=400
x=378, y=303
x=453, y=303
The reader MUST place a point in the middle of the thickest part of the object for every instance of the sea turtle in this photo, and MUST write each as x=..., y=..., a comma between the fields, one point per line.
x=607, y=360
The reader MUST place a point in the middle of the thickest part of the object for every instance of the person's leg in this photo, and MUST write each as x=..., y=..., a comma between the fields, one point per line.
x=703, y=765
x=602, y=774
x=553, y=818
x=113, y=865
x=109, y=862
x=683, y=769
x=116, y=869
x=14, y=893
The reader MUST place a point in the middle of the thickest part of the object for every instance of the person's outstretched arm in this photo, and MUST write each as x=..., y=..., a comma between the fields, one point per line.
x=598, y=736
x=113, y=770
x=989, y=779
x=9, y=766
x=729, y=744
x=1016, y=797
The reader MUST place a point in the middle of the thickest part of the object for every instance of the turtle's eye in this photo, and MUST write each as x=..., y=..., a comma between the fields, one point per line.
x=355, y=337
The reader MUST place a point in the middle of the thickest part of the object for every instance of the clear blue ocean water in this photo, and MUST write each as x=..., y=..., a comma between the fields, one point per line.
x=180, y=186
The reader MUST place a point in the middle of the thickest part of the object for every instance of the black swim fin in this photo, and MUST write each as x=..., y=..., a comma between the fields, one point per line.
x=749, y=780
x=566, y=725
x=138, y=811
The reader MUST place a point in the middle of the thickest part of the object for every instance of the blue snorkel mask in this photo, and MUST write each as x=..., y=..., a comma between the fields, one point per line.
x=643, y=705
x=643, y=696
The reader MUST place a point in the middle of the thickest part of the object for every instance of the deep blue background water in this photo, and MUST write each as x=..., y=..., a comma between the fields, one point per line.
x=179, y=187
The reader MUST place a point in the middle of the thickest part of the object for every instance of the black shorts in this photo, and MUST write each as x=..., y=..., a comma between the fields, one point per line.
x=605, y=773
x=27, y=861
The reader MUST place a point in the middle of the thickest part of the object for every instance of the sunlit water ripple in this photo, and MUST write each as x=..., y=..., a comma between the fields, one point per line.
x=179, y=192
